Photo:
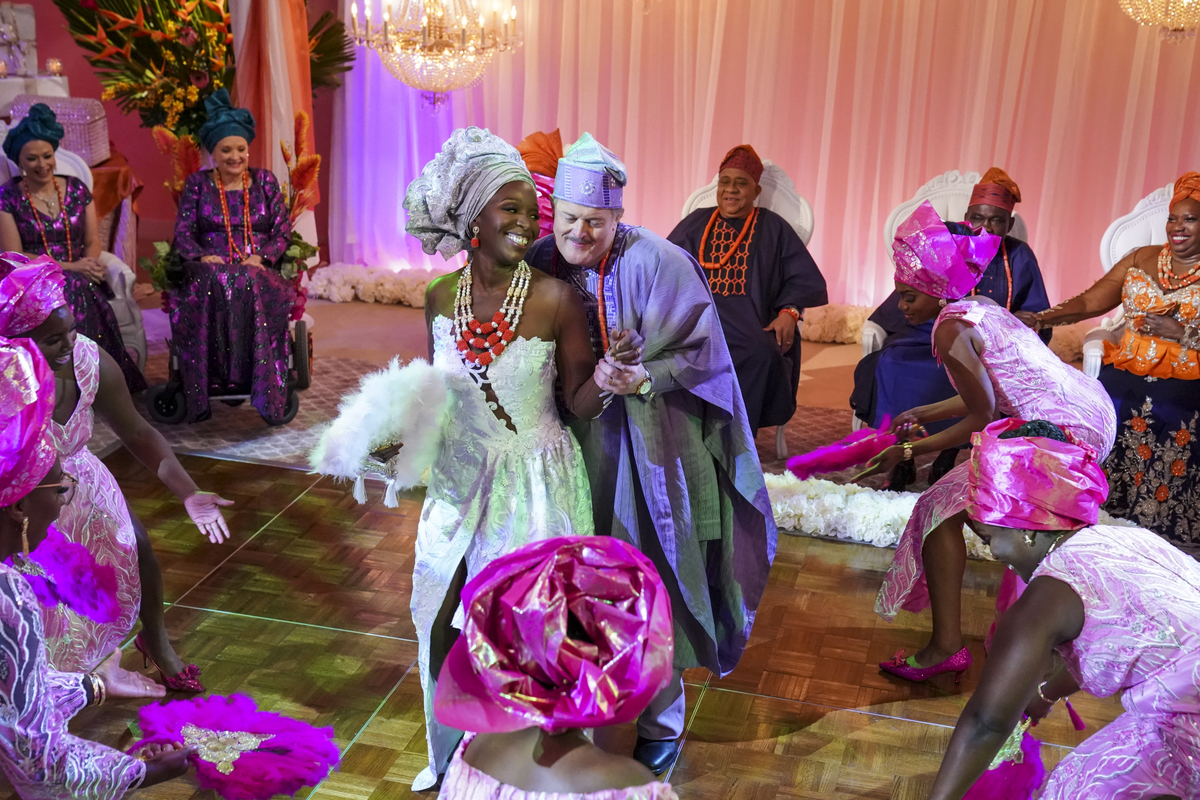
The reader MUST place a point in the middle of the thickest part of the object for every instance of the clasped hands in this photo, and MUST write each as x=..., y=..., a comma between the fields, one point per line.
x=906, y=427
x=91, y=269
x=621, y=371
x=249, y=261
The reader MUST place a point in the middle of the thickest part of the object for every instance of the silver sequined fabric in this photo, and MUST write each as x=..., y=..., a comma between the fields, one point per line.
x=455, y=186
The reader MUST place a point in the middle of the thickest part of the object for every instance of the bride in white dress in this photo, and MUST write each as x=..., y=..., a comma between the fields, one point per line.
x=503, y=338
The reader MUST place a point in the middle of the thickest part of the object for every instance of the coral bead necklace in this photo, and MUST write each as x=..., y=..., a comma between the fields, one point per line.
x=236, y=255
x=481, y=343
x=1167, y=278
x=62, y=213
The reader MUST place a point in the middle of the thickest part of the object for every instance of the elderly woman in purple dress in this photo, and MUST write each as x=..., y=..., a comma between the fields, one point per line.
x=46, y=214
x=231, y=314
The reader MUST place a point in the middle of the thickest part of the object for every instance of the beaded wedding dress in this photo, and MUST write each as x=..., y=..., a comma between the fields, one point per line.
x=492, y=488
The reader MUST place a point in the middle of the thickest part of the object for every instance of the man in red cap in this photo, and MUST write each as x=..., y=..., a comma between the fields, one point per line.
x=762, y=278
x=905, y=374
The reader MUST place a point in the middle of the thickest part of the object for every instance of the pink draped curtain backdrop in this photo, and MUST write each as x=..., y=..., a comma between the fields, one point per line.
x=859, y=101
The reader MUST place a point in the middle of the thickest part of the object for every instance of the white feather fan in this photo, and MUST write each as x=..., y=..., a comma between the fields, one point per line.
x=401, y=404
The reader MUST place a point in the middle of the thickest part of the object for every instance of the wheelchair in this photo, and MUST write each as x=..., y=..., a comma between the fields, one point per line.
x=166, y=404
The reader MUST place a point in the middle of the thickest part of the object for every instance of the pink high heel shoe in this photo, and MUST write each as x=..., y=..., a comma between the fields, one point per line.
x=907, y=668
x=188, y=679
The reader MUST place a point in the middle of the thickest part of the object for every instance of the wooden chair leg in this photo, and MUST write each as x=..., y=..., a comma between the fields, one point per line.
x=780, y=442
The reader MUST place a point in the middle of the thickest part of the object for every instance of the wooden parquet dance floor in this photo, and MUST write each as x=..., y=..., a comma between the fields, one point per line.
x=306, y=610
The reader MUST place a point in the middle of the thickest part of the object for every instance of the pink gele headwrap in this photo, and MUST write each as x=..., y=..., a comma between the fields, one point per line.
x=933, y=260
x=573, y=632
x=26, y=403
x=29, y=290
x=1032, y=483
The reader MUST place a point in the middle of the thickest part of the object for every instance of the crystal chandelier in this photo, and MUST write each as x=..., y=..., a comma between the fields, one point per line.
x=437, y=46
x=1178, y=19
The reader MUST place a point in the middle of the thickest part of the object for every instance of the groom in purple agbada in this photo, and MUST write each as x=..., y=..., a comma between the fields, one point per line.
x=671, y=461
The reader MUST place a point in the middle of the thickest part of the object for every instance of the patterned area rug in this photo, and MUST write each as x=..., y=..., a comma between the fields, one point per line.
x=238, y=433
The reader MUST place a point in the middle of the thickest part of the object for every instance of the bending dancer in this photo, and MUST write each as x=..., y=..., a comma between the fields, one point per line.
x=508, y=471
x=88, y=380
x=904, y=373
x=231, y=314
x=1153, y=374
x=601, y=611
x=37, y=753
x=1121, y=606
x=999, y=368
x=42, y=214
x=673, y=467
x=762, y=278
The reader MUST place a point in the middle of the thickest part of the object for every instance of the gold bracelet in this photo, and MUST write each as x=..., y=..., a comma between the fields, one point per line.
x=907, y=447
x=99, y=690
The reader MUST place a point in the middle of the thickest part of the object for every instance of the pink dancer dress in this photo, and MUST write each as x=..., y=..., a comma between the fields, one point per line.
x=464, y=782
x=98, y=519
x=1141, y=636
x=1029, y=382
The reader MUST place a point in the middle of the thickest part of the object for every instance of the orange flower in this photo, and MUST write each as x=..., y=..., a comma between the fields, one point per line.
x=1178, y=468
x=1182, y=437
x=1137, y=478
x=1144, y=451
x=1138, y=424
x=1162, y=493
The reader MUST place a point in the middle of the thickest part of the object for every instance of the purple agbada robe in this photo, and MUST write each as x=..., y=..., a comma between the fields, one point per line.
x=676, y=473
x=94, y=317
x=230, y=322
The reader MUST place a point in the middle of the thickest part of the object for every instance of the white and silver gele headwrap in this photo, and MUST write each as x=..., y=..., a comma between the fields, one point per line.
x=454, y=187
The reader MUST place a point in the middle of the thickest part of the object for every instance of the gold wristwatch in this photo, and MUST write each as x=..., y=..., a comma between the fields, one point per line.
x=643, y=388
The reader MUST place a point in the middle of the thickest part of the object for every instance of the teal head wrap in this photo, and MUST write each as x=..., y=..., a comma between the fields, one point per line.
x=224, y=120
x=39, y=125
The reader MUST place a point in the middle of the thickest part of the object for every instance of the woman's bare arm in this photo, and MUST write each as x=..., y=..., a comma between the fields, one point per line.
x=574, y=356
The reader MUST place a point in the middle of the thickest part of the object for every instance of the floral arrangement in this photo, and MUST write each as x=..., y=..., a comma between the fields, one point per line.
x=342, y=283
x=834, y=323
x=160, y=58
x=184, y=152
x=822, y=508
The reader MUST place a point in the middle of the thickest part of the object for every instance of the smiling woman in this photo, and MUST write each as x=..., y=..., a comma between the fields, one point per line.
x=1152, y=374
x=505, y=339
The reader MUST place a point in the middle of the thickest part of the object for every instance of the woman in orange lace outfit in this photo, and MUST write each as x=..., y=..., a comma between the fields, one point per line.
x=1153, y=373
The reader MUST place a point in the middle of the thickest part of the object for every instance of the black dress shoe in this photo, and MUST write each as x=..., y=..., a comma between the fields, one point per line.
x=942, y=464
x=654, y=755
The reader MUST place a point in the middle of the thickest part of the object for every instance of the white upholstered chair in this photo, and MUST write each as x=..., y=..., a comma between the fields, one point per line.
x=779, y=195
x=1144, y=226
x=120, y=277
x=949, y=193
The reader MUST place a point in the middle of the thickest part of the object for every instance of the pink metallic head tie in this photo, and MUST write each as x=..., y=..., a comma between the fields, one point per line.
x=931, y=259
x=26, y=403
x=29, y=290
x=565, y=633
x=1033, y=483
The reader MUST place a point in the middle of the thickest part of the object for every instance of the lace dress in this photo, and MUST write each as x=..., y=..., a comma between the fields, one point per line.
x=98, y=519
x=1029, y=382
x=1140, y=637
x=491, y=489
x=464, y=782
x=39, y=756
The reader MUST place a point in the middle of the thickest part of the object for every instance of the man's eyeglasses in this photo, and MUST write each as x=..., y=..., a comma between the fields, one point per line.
x=66, y=489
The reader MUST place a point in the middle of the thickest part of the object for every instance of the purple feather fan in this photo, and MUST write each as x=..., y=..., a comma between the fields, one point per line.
x=1012, y=780
x=857, y=448
x=244, y=753
x=71, y=576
